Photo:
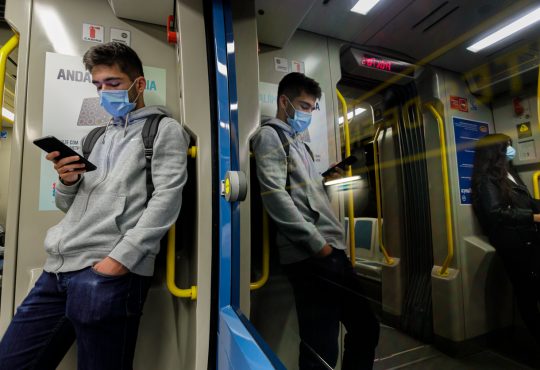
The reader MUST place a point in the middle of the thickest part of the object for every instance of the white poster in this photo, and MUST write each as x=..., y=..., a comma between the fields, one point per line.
x=316, y=135
x=71, y=109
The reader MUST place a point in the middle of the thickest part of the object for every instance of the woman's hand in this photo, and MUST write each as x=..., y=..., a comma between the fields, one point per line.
x=536, y=217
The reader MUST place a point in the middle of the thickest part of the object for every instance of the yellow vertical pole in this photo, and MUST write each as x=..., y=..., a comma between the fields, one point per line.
x=352, y=244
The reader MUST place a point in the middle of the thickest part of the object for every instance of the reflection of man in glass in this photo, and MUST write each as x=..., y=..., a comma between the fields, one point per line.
x=310, y=237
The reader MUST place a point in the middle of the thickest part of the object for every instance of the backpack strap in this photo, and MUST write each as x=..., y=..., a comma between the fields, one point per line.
x=310, y=152
x=149, y=133
x=285, y=144
x=91, y=140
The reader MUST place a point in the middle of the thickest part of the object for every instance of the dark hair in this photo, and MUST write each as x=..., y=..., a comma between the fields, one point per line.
x=293, y=84
x=490, y=161
x=113, y=53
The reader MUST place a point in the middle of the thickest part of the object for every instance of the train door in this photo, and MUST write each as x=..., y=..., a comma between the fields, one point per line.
x=238, y=343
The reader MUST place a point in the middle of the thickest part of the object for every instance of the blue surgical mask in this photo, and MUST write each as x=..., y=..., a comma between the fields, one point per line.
x=116, y=102
x=510, y=152
x=301, y=120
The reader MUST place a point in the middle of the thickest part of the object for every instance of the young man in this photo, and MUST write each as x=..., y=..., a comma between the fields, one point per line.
x=101, y=255
x=310, y=237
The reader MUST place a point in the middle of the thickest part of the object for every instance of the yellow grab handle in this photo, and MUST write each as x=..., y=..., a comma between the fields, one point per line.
x=265, y=255
x=171, y=265
x=389, y=260
x=536, y=175
x=4, y=53
x=446, y=186
x=352, y=242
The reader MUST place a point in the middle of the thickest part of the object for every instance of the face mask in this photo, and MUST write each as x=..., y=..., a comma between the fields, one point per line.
x=116, y=102
x=301, y=120
x=510, y=153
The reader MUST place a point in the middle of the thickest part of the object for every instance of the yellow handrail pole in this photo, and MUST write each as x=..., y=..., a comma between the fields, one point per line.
x=536, y=175
x=387, y=258
x=171, y=268
x=352, y=241
x=265, y=254
x=4, y=53
x=446, y=186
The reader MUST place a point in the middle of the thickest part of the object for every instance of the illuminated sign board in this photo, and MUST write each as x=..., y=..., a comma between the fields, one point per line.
x=380, y=63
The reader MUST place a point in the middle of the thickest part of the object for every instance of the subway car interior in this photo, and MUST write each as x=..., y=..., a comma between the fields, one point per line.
x=408, y=88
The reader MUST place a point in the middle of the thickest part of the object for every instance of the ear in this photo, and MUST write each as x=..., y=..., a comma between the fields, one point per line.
x=141, y=84
x=283, y=102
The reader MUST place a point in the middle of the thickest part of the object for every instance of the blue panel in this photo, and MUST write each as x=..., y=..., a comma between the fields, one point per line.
x=467, y=133
x=362, y=234
x=235, y=160
x=242, y=351
x=224, y=151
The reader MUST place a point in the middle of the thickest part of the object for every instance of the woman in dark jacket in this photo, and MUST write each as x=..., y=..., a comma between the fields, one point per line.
x=509, y=216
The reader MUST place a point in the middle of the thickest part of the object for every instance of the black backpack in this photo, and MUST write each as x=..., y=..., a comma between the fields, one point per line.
x=149, y=133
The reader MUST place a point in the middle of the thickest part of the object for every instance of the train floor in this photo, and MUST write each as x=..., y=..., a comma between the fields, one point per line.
x=399, y=351
x=510, y=349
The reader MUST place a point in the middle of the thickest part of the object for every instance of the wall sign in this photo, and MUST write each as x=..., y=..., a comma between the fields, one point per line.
x=92, y=32
x=281, y=65
x=459, y=103
x=122, y=36
x=467, y=133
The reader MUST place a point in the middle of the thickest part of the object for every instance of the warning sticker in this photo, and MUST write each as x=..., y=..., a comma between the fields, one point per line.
x=92, y=32
x=524, y=130
x=458, y=103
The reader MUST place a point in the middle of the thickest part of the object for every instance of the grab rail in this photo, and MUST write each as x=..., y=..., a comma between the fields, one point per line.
x=4, y=53
x=171, y=268
x=389, y=260
x=536, y=189
x=447, y=205
x=265, y=255
x=349, y=174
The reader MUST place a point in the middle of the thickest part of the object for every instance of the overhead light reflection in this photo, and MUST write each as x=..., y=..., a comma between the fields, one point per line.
x=55, y=29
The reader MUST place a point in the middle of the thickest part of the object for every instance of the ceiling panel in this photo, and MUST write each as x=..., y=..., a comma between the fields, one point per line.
x=437, y=31
x=277, y=20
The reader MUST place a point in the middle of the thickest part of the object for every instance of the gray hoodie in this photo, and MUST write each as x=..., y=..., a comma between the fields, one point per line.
x=305, y=219
x=105, y=210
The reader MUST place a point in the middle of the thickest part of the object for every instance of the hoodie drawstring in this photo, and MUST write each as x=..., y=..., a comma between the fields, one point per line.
x=106, y=130
x=126, y=124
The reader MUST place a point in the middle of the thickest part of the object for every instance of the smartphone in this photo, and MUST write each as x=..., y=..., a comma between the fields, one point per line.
x=52, y=144
x=343, y=165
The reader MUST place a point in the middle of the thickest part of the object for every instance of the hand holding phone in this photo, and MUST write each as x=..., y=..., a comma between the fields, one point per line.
x=343, y=165
x=69, y=164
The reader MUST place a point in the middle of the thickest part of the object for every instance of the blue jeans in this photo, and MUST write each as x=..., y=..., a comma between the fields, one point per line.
x=101, y=312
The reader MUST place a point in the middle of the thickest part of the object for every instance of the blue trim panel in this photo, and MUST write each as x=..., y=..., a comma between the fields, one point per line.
x=242, y=351
x=224, y=151
x=235, y=148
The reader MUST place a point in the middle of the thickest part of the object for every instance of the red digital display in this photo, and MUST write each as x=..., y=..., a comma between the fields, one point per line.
x=384, y=65
x=381, y=63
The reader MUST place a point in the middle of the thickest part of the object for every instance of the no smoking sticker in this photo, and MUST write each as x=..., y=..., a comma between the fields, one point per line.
x=122, y=36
